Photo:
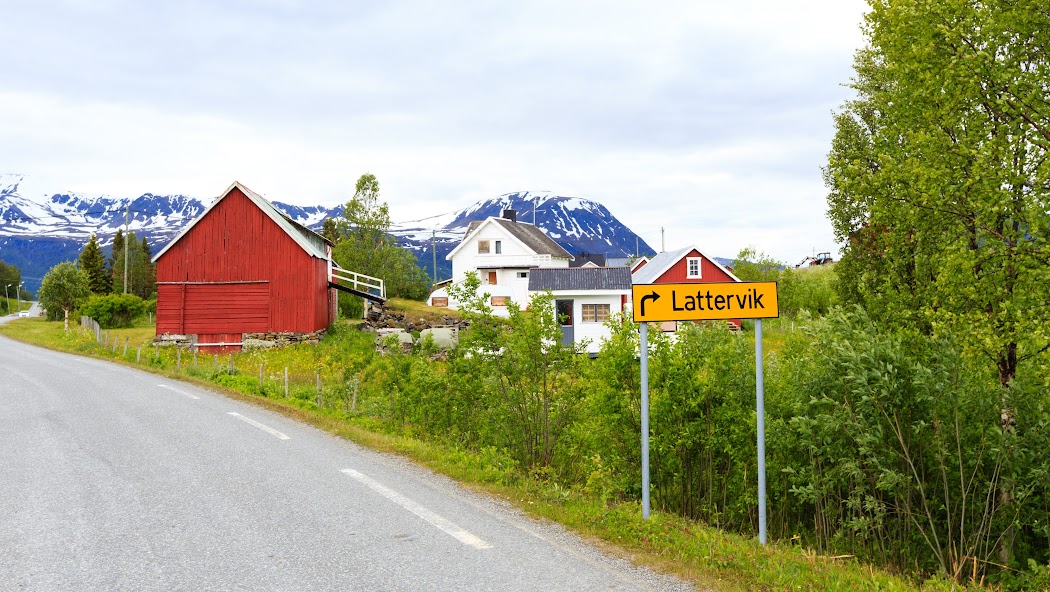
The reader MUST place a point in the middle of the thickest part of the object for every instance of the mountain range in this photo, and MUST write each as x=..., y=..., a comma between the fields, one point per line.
x=39, y=228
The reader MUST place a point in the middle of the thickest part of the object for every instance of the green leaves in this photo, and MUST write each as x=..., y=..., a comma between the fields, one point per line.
x=938, y=177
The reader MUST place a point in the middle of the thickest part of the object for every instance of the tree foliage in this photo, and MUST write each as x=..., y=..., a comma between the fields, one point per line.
x=63, y=285
x=113, y=310
x=363, y=244
x=939, y=178
x=10, y=278
x=142, y=273
x=93, y=263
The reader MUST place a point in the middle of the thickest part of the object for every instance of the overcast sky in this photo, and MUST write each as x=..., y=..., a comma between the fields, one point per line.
x=710, y=119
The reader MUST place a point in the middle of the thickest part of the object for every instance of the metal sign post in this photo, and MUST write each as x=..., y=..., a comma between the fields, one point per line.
x=696, y=302
x=760, y=403
x=643, y=330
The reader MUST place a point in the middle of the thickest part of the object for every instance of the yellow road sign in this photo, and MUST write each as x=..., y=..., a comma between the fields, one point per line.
x=700, y=302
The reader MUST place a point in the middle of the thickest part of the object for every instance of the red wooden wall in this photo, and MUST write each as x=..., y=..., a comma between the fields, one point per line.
x=709, y=272
x=237, y=271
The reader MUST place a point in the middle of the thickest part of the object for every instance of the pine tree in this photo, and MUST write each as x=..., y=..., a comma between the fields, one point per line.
x=116, y=262
x=93, y=263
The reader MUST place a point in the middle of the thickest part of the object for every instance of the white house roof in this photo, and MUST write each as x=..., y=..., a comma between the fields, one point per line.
x=310, y=241
x=527, y=234
x=662, y=262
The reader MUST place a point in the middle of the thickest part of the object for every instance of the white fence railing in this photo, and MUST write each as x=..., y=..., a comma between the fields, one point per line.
x=360, y=282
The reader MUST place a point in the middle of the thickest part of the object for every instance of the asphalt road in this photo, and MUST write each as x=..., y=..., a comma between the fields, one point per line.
x=115, y=479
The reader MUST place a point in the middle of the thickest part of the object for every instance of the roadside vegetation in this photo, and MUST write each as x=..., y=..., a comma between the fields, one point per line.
x=883, y=448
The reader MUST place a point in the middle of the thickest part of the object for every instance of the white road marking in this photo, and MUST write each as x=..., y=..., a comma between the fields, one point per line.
x=184, y=393
x=262, y=427
x=463, y=536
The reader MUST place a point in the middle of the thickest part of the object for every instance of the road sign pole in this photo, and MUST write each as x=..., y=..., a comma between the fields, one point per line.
x=643, y=331
x=761, y=404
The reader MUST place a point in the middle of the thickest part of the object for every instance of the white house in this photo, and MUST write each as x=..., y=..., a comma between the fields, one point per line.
x=502, y=252
x=585, y=298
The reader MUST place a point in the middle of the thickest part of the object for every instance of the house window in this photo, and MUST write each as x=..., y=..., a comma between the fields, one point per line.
x=692, y=265
x=492, y=278
x=523, y=275
x=500, y=300
x=441, y=301
x=499, y=247
x=483, y=247
x=595, y=313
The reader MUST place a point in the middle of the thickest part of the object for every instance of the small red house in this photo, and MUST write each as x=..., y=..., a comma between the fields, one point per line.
x=688, y=265
x=243, y=267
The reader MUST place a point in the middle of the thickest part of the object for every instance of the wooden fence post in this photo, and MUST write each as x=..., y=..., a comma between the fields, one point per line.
x=286, y=382
x=138, y=355
x=260, y=377
x=178, y=359
x=231, y=364
x=125, y=354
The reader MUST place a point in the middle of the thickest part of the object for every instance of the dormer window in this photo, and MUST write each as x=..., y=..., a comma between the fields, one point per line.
x=483, y=247
x=692, y=266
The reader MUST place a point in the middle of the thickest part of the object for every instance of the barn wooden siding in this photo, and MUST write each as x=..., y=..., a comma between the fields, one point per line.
x=237, y=271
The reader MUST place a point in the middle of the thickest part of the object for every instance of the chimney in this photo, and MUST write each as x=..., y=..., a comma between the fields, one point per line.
x=511, y=215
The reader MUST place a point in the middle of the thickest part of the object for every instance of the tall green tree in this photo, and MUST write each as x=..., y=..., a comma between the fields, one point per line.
x=939, y=178
x=142, y=273
x=93, y=263
x=116, y=268
x=63, y=285
x=366, y=246
x=10, y=278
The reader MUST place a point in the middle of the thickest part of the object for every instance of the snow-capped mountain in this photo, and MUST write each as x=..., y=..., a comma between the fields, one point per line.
x=579, y=225
x=39, y=228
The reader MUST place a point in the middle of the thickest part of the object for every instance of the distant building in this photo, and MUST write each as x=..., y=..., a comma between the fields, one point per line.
x=502, y=252
x=242, y=267
x=688, y=265
x=585, y=298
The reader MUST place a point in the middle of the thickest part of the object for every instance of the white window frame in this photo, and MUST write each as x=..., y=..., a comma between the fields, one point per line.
x=689, y=268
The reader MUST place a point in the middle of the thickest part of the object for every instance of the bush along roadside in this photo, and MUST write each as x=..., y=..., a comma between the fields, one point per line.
x=883, y=448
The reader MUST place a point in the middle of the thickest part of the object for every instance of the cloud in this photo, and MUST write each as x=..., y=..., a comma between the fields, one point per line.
x=708, y=119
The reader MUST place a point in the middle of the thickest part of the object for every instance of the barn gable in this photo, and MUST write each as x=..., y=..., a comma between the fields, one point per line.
x=310, y=241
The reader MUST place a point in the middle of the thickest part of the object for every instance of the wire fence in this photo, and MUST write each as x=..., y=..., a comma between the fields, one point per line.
x=246, y=372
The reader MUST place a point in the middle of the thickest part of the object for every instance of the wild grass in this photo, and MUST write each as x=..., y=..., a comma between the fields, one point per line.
x=709, y=557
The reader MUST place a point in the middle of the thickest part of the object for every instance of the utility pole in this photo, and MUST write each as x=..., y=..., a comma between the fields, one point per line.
x=18, y=293
x=6, y=297
x=662, y=247
x=433, y=251
x=127, y=210
x=636, y=246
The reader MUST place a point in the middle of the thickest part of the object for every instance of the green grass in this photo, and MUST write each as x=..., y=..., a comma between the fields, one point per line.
x=710, y=558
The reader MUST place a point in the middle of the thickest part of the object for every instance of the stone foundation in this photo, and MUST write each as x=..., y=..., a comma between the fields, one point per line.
x=274, y=339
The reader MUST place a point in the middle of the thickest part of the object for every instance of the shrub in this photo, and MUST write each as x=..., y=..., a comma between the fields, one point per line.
x=113, y=310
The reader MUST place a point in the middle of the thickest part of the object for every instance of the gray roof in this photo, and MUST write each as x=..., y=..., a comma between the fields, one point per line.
x=530, y=235
x=579, y=278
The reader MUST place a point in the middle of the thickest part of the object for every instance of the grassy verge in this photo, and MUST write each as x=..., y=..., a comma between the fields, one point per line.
x=710, y=558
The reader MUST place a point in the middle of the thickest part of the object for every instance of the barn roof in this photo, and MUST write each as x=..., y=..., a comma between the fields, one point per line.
x=310, y=241
x=579, y=278
x=528, y=234
x=662, y=262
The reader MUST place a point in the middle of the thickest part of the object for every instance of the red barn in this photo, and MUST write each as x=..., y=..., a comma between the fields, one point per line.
x=244, y=267
x=684, y=266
